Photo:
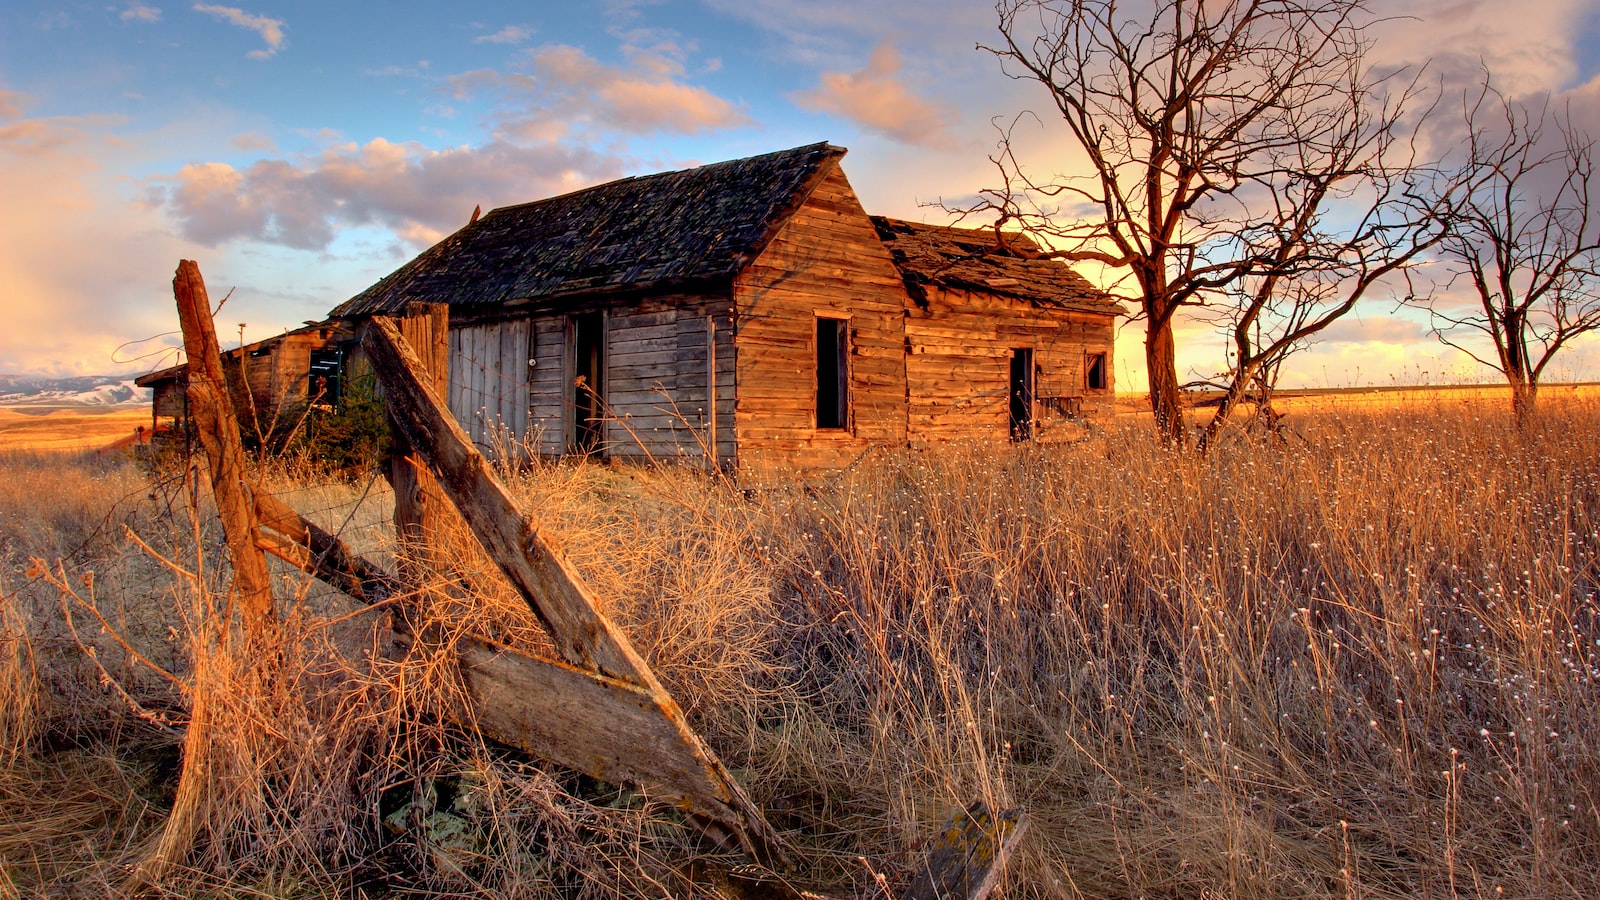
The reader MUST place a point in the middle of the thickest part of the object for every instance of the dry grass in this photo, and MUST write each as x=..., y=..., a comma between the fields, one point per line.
x=53, y=429
x=1361, y=662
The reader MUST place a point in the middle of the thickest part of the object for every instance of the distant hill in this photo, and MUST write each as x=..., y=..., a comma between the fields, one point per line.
x=77, y=390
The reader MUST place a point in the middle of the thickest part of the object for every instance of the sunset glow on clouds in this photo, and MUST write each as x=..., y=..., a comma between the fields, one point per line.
x=301, y=151
x=878, y=99
x=270, y=30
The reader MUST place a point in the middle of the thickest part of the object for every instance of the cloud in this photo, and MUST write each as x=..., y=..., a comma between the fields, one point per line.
x=414, y=191
x=511, y=34
x=10, y=104
x=561, y=87
x=418, y=194
x=271, y=30
x=63, y=315
x=253, y=140
x=1526, y=52
x=140, y=12
x=876, y=98
x=1374, y=326
x=46, y=136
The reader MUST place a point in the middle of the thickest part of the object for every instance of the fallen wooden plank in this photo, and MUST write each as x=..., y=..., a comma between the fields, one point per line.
x=615, y=731
x=304, y=545
x=612, y=730
x=965, y=860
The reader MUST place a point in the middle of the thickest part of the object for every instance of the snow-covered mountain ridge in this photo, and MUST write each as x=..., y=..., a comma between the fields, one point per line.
x=77, y=390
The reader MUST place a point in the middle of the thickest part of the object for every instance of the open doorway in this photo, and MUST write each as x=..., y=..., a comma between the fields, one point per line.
x=588, y=382
x=1021, y=394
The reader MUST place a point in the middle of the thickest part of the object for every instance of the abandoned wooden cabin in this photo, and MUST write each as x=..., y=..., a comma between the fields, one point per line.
x=269, y=381
x=999, y=340
x=750, y=312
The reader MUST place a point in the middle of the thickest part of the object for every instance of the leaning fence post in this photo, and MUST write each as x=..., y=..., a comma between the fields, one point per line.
x=218, y=429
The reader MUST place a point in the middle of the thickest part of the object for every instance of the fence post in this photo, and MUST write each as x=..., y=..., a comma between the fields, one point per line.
x=208, y=399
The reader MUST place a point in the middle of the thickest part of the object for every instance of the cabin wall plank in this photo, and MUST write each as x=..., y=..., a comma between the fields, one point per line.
x=827, y=260
x=658, y=370
x=546, y=382
x=958, y=365
x=489, y=390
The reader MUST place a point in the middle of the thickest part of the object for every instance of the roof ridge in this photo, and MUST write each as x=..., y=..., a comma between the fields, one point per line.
x=819, y=146
x=687, y=225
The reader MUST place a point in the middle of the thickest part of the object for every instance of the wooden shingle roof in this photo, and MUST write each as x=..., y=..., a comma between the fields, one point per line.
x=973, y=259
x=695, y=224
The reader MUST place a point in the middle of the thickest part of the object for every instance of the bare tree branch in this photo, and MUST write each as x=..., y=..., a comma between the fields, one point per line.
x=1524, y=237
x=1216, y=135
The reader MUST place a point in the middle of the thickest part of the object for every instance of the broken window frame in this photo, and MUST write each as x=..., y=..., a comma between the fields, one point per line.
x=1094, y=372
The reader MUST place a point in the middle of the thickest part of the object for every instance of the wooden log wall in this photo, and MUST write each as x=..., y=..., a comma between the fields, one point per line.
x=269, y=382
x=959, y=356
x=168, y=400
x=827, y=259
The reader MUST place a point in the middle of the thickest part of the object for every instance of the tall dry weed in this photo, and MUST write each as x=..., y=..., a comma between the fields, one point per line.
x=20, y=716
x=1357, y=662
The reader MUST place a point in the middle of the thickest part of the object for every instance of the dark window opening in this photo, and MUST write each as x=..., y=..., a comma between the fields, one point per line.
x=1021, y=394
x=1097, y=371
x=588, y=382
x=323, y=387
x=833, y=373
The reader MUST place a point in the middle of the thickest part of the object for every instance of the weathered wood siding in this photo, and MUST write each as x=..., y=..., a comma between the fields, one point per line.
x=657, y=376
x=549, y=400
x=167, y=399
x=958, y=364
x=269, y=382
x=827, y=260
x=489, y=383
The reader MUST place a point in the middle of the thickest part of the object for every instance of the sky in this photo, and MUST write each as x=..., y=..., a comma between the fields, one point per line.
x=301, y=151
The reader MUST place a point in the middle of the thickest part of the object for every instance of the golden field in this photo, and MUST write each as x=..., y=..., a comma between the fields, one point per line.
x=49, y=428
x=1359, y=658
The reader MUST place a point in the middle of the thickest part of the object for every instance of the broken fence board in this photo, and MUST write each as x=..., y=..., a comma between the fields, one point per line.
x=964, y=861
x=306, y=546
x=612, y=730
x=582, y=635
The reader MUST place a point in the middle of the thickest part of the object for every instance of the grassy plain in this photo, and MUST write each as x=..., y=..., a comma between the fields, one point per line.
x=53, y=428
x=1355, y=659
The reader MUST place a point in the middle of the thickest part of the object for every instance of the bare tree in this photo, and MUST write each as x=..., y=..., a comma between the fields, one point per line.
x=1197, y=120
x=1525, y=237
x=1353, y=214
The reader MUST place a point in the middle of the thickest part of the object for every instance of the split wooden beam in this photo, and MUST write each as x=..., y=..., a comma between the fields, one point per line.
x=423, y=519
x=212, y=411
x=528, y=557
x=601, y=710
